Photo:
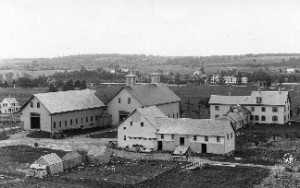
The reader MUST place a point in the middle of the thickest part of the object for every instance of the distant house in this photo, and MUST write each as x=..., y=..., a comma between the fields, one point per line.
x=239, y=116
x=290, y=70
x=134, y=96
x=230, y=79
x=266, y=107
x=9, y=105
x=201, y=135
x=215, y=78
x=140, y=128
x=244, y=80
x=57, y=111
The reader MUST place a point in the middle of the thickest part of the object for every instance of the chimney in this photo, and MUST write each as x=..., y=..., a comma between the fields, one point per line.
x=155, y=78
x=130, y=79
x=258, y=85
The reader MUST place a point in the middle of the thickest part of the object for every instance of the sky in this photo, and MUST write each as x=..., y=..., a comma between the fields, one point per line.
x=51, y=28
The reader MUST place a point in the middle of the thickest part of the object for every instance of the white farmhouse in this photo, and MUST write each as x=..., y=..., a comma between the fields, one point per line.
x=57, y=111
x=140, y=128
x=9, y=105
x=266, y=107
x=134, y=96
x=229, y=79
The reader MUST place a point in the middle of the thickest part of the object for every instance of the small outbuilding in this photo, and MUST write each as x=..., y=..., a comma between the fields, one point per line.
x=99, y=154
x=72, y=159
x=49, y=164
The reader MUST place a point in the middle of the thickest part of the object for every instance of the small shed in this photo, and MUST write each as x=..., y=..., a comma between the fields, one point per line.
x=99, y=154
x=47, y=165
x=72, y=159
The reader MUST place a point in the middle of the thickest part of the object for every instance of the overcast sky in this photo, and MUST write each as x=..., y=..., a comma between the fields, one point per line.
x=50, y=28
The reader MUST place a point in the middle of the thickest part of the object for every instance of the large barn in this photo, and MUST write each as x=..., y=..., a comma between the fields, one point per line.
x=57, y=111
x=134, y=96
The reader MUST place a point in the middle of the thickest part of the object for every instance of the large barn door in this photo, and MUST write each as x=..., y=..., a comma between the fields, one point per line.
x=35, y=121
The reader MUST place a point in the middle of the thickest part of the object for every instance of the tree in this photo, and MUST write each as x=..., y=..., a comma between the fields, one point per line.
x=83, y=85
x=52, y=88
x=177, y=79
x=239, y=79
x=77, y=84
x=9, y=77
x=70, y=84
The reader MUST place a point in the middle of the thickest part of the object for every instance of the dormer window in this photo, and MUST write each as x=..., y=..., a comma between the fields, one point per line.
x=258, y=100
x=119, y=100
x=31, y=105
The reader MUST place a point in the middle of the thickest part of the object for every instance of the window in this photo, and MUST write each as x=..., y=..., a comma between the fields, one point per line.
x=66, y=123
x=275, y=118
x=71, y=122
x=119, y=100
x=177, y=115
x=96, y=118
x=195, y=138
x=60, y=124
x=217, y=108
x=124, y=128
x=87, y=119
x=92, y=118
x=218, y=139
x=206, y=138
x=124, y=137
x=284, y=117
x=231, y=135
x=81, y=120
x=252, y=108
x=275, y=109
x=263, y=109
x=162, y=136
x=142, y=124
x=129, y=100
x=54, y=124
x=263, y=118
x=38, y=104
x=216, y=116
x=173, y=136
x=76, y=121
x=227, y=136
x=131, y=123
x=173, y=115
x=256, y=118
x=285, y=109
x=251, y=117
x=31, y=105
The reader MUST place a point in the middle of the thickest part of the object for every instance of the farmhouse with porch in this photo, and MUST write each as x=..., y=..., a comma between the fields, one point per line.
x=9, y=105
x=134, y=96
x=265, y=107
x=57, y=111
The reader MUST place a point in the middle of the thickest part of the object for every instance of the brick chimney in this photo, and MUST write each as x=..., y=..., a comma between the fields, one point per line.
x=130, y=79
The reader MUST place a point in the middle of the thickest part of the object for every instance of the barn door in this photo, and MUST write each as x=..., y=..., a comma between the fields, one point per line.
x=35, y=121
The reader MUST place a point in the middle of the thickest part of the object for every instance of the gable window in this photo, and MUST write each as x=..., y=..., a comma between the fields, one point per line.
x=38, y=104
x=263, y=118
x=66, y=123
x=263, y=109
x=129, y=100
x=256, y=118
x=31, y=105
x=275, y=118
x=218, y=139
x=124, y=137
x=252, y=108
x=217, y=108
x=172, y=136
x=54, y=124
x=275, y=109
x=206, y=138
x=162, y=136
x=131, y=123
x=142, y=124
x=119, y=100
x=195, y=138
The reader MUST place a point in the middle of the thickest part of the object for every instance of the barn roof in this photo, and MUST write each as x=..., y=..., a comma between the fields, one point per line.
x=65, y=101
x=150, y=113
x=71, y=155
x=267, y=98
x=151, y=94
x=48, y=159
x=187, y=126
